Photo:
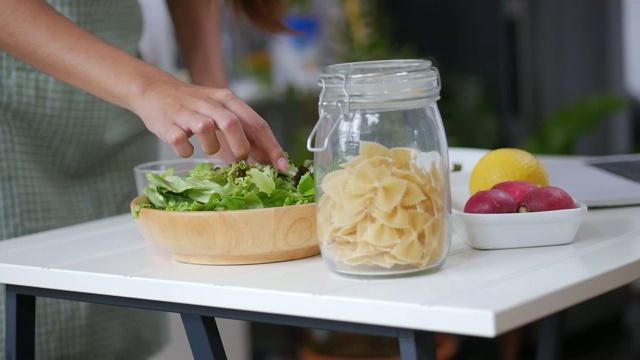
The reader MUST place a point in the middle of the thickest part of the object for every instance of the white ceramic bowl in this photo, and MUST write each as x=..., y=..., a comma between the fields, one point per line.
x=518, y=230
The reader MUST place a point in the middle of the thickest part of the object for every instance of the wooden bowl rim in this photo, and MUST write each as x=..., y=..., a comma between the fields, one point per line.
x=142, y=199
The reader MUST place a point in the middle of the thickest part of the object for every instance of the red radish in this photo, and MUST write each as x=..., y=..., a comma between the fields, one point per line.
x=492, y=201
x=517, y=189
x=546, y=198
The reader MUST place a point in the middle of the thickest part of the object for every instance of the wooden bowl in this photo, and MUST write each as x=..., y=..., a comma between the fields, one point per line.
x=232, y=237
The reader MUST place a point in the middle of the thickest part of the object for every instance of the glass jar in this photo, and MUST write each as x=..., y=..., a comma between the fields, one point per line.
x=382, y=169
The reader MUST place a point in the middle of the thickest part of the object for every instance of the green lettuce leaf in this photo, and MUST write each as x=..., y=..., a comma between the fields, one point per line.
x=238, y=186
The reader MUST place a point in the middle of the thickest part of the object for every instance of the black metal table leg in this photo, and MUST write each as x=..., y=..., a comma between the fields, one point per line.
x=204, y=337
x=417, y=345
x=199, y=323
x=550, y=337
x=20, y=325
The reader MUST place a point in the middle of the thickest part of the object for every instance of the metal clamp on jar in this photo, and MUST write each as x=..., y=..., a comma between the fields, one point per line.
x=382, y=169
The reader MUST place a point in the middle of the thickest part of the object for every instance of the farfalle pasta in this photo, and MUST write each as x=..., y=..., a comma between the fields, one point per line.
x=385, y=208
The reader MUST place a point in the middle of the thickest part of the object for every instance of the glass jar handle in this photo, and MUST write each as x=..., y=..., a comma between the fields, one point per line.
x=325, y=143
x=310, y=147
x=344, y=114
x=438, y=81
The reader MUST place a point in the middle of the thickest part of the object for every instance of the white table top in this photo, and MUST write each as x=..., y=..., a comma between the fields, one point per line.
x=478, y=293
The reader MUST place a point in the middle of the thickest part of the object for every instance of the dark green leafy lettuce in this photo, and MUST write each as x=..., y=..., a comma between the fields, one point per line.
x=239, y=186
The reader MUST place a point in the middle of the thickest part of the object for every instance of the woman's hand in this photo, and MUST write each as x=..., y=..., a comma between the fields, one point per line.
x=175, y=111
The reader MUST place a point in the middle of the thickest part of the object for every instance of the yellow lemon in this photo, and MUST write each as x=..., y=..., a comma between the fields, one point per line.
x=507, y=164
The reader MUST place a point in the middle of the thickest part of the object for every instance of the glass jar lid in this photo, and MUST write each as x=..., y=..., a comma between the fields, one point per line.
x=379, y=81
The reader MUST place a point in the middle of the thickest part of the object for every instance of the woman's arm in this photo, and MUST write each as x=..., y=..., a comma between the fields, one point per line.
x=36, y=33
x=198, y=33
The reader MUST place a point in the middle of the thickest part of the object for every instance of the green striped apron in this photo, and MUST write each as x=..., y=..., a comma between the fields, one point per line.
x=66, y=157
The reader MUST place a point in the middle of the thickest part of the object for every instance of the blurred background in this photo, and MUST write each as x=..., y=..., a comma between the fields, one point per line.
x=548, y=76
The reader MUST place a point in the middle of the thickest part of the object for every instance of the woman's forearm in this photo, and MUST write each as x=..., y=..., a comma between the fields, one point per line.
x=37, y=34
x=198, y=33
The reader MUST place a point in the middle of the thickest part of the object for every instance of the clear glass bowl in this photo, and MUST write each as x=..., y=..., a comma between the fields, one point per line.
x=181, y=167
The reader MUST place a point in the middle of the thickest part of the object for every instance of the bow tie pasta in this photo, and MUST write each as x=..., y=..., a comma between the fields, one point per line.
x=384, y=208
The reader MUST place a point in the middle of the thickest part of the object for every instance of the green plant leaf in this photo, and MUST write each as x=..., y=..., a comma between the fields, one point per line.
x=561, y=131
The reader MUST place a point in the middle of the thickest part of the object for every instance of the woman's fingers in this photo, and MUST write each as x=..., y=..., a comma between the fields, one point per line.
x=205, y=132
x=178, y=138
x=231, y=126
x=256, y=132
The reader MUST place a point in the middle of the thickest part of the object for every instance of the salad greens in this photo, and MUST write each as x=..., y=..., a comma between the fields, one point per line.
x=241, y=185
